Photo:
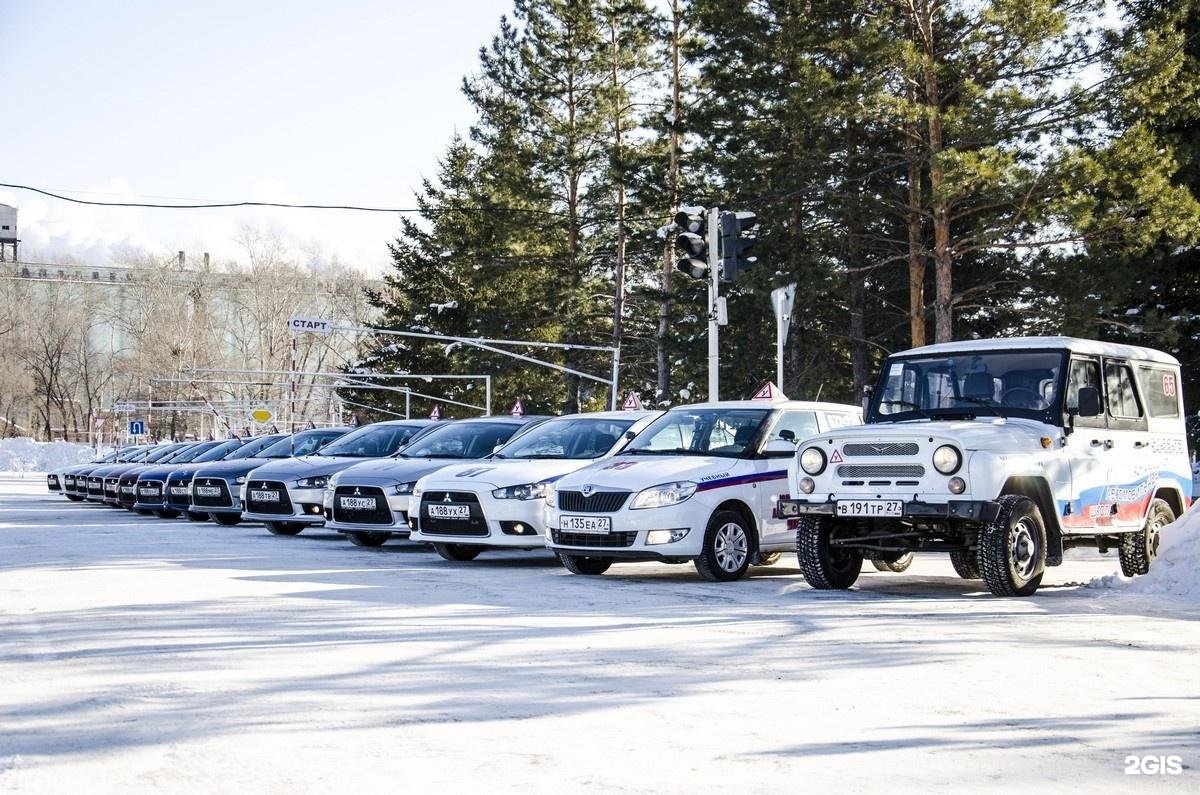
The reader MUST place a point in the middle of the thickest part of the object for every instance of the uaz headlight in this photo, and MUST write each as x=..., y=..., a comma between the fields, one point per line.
x=947, y=459
x=664, y=495
x=812, y=460
x=525, y=491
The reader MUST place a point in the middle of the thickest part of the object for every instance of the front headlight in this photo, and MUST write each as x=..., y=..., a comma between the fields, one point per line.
x=947, y=459
x=551, y=493
x=318, y=482
x=402, y=489
x=664, y=495
x=239, y=480
x=526, y=491
x=812, y=460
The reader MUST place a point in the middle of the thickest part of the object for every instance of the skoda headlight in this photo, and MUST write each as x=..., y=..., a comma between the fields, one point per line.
x=551, y=493
x=318, y=482
x=525, y=491
x=947, y=459
x=406, y=488
x=812, y=460
x=664, y=495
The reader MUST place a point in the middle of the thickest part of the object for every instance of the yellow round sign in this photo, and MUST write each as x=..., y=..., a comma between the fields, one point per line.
x=262, y=415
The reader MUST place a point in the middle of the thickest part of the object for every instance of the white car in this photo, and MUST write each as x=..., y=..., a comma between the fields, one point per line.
x=369, y=502
x=700, y=483
x=499, y=502
x=1003, y=453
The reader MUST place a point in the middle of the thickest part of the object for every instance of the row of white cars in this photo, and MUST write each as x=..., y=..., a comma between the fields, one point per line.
x=1002, y=454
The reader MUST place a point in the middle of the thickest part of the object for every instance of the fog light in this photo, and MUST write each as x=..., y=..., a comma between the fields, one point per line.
x=315, y=509
x=807, y=485
x=957, y=485
x=665, y=536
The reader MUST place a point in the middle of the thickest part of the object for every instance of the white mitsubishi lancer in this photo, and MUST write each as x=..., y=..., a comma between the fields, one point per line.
x=463, y=510
x=700, y=483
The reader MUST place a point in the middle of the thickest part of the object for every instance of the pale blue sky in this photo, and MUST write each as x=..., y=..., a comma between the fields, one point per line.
x=314, y=102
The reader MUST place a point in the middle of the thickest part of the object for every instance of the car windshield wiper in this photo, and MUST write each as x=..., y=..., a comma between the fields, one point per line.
x=907, y=403
x=980, y=402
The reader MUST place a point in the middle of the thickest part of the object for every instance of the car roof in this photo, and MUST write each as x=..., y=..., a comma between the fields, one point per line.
x=809, y=405
x=610, y=415
x=1073, y=344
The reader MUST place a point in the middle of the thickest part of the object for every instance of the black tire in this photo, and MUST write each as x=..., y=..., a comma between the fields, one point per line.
x=582, y=564
x=227, y=519
x=368, y=539
x=1012, y=549
x=142, y=511
x=728, y=542
x=74, y=498
x=194, y=516
x=166, y=513
x=1138, y=550
x=966, y=564
x=768, y=558
x=280, y=528
x=459, y=553
x=825, y=567
x=898, y=565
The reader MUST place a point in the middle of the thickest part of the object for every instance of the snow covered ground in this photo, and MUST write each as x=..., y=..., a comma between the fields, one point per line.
x=139, y=654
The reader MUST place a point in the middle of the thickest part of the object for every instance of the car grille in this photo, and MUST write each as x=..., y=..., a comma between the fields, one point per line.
x=882, y=449
x=380, y=514
x=284, y=506
x=881, y=471
x=150, y=491
x=609, y=540
x=68, y=481
x=110, y=487
x=222, y=500
x=596, y=502
x=475, y=526
x=95, y=487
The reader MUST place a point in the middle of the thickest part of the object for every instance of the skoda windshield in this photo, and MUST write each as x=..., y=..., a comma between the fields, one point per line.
x=968, y=385
x=724, y=432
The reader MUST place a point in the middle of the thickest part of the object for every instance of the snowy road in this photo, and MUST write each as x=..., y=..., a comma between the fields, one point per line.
x=140, y=654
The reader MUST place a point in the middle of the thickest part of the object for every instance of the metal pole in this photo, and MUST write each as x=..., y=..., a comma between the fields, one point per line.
x=407, y=404
x=488, y=402
x=292, y=400
x=714, y=215
x=616, y=368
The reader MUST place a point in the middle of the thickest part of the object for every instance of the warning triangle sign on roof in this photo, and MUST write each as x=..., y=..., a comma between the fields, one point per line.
x=768, y=391
x=632, y=402
x=436, y=414
x=518, y=409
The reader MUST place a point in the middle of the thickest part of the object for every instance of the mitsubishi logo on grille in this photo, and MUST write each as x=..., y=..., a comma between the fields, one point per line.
x=587, y=490
x=446, y=498
x=357, y=492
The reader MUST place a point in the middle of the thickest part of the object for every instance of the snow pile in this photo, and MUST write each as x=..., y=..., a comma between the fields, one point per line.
x=22, y=454
x=1176, y=571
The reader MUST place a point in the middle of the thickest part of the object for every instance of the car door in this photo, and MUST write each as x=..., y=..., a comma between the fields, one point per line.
x=1130, y=468
x=788, y=428
x=1086, y=449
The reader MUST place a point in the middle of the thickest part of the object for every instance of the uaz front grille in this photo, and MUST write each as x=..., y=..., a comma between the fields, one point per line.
x=219, y=500
x=596, y=502
x=881, y=471
x=609, y=540
x=380, y=514
x=282, y=506
x=476, y=525
x=857, y=449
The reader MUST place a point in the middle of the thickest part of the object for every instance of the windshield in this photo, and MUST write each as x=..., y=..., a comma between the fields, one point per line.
x=714, y=431
x=462, y=440
x=306, y=443
x=255, y=446
x=576, y=438
x=995, y=383
x=190, y=454
x=373, y=441
x=161, y=453
x=217, y=453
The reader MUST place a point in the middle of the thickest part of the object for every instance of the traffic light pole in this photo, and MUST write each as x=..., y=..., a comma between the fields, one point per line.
x=714, y=233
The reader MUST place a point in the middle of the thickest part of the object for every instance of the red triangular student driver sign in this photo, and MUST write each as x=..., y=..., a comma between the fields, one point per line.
x=768, y=391
x=632, y=402
x=518, y=409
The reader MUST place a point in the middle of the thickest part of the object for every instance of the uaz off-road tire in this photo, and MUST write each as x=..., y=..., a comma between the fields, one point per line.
x=768, y=558
x=582, y=564
x=966, y=564
x=460, y=553
x=1012, y=549
x=725, y=555
x=825, y=567
x=898, y=565
x=1138, y=550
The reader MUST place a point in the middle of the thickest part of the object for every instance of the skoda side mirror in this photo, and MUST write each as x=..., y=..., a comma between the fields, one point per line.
x=1089, y=401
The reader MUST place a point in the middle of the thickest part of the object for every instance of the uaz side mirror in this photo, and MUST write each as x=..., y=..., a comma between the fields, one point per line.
x=1089, y=401
x=788, y=435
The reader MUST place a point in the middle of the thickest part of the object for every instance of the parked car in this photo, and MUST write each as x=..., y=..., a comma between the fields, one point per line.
x=1003, y=453
x=218, y=489
x=500, y=503
x=150, y=487
x=699, y=484
x=288, y=495
x=102, y=481
x=178, y=485
x=124, y=493
x=369, y=501
x=66, y=476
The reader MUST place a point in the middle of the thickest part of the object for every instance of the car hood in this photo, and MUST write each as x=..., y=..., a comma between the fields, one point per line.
x=633, y=473
x=230, y=469
x=307, y=466
x=984, y=433
x=502, y=474
x=157, y=472
x=395, y=470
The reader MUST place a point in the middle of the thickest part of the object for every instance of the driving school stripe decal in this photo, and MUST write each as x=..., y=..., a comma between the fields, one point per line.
x=742, y=480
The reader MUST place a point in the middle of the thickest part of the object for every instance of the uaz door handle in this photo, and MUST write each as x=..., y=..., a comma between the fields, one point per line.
x=1097, y=442
x=1108, y=444
x=1141, y=444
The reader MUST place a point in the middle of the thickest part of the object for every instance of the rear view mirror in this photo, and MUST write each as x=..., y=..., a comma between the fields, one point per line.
x=1089, y=401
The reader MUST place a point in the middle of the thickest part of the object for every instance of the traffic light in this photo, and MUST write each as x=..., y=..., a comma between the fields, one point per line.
x=737, y=237
x=692, y=243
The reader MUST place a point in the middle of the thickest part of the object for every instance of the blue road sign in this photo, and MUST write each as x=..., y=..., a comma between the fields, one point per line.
x=137, y=428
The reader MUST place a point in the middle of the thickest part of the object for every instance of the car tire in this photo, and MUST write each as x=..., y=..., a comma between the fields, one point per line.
x=367, y=539
x=195, y=516
x=74, y=498
x=582, y=564
x=459, y=553
x=166, y=513
x=768, y=558
x=227, y=519
x=965, y=563
x=283, y=528
x=898, y=565
x=725, y=554
x=142, y=511
x=824, y=566
x=1138, y=550
x=1012, y=549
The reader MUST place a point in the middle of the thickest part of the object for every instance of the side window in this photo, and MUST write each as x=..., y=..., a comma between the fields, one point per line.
x=1122, y=397
x=1161, y=389
x=1083, y=372
x=834, y=420
x=801, y=423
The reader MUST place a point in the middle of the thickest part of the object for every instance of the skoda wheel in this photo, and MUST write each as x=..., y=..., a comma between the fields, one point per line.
x=458, y=552
x=725, y=555
x=825, y=565
x=368, y=539
x=1012, y=549
x=227, y=519
x=582, y=564
x=281, y=528
x=1138, y=550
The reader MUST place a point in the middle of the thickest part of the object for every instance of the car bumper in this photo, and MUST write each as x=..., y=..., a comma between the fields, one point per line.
x=518, y=524
x=965, y=510
x=397, y=504
x=630, y=529
x=307, y=509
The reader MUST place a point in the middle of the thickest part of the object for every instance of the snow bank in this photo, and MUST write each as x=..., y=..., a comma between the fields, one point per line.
x=1176, y=571
x=23, y=454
